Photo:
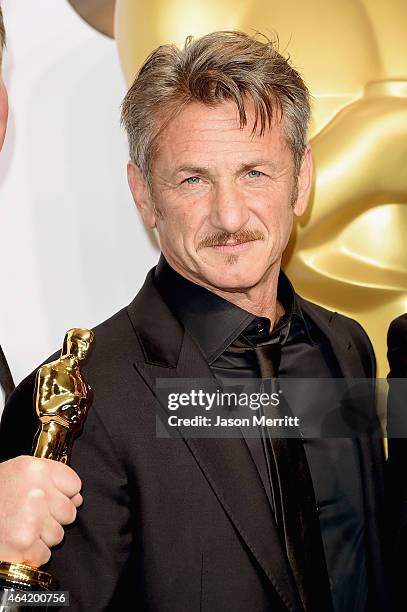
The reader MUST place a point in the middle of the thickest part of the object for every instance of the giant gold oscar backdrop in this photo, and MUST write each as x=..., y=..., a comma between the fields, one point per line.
x=350, y=251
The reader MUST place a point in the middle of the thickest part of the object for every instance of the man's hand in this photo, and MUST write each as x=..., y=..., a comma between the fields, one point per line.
x=37, y=497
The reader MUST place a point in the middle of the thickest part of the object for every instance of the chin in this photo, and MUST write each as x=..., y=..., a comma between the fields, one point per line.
x=228, y=280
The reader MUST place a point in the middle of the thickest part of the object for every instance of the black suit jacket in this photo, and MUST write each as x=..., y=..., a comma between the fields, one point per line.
x=396, y=482
x=6, y=380
x=177, y=524
x=397, y=347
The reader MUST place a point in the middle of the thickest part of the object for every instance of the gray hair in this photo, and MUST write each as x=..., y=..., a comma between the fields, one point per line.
x=217, y=67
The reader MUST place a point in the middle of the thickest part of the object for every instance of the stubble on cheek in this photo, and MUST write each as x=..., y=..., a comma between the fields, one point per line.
x=159, y=213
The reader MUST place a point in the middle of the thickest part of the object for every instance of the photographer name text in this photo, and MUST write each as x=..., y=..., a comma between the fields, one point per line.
x=254, y=420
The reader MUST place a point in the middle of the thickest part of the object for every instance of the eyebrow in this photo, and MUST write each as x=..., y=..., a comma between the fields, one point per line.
x=258, y=162
x=191, y=170
x=205, y=170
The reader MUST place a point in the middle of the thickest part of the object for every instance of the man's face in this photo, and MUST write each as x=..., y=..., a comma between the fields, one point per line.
x=3, y=110
x=222, y=199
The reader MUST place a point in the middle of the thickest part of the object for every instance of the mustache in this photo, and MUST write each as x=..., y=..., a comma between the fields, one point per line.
x=221, y=238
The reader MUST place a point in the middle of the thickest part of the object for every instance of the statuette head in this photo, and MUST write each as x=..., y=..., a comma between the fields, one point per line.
x=77, y=342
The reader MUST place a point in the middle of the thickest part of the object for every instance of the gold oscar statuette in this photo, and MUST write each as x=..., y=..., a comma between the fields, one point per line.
x=62, y=398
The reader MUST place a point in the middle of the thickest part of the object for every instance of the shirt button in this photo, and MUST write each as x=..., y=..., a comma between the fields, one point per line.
x=318, y=508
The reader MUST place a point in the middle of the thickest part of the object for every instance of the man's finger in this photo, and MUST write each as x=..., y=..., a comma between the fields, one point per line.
x=38, y=554
x=61, y=508
x=77, y=500
x=64, y=478
x=52, y=533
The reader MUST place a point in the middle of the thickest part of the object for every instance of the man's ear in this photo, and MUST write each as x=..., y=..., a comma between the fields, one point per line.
x=304, y=183
x=141, y=194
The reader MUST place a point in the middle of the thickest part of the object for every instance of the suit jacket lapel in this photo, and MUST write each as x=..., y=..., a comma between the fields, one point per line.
x=341, y=342
x=371, y=451
x=169, y=352
x=6, y=380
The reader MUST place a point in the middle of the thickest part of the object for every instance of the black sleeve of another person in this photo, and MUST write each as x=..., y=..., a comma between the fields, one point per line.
x=94, y=561
x=396, y=481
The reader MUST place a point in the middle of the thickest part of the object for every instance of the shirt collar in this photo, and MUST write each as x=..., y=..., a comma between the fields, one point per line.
x=215, y=323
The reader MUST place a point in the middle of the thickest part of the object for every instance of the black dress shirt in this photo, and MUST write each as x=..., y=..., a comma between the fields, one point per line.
x=227, y=336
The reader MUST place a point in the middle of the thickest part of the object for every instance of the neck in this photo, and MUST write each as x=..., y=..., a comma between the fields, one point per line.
x=260, y=300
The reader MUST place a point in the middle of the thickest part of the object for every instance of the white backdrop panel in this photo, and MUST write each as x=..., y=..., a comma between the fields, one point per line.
x=72, y=246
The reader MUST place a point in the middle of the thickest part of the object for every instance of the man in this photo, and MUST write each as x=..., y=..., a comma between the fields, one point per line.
x=219, y=166
x=6, y=381
x=397, y=347
x=396, y=493
x=37, y=496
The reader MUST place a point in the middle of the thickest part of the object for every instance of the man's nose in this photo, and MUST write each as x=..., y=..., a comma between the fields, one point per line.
x=229, y=210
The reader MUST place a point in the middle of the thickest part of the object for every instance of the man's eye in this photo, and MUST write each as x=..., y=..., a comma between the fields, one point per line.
x=192, y=180
x=255, y=173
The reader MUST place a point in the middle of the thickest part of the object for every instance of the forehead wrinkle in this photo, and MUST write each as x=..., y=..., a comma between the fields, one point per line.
x=201, y=137
x=210, y=123
x=202, y=126
x=237, y=160
x=198, y=152
x=242, y=166
x=200, y=142
x=230, y=136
